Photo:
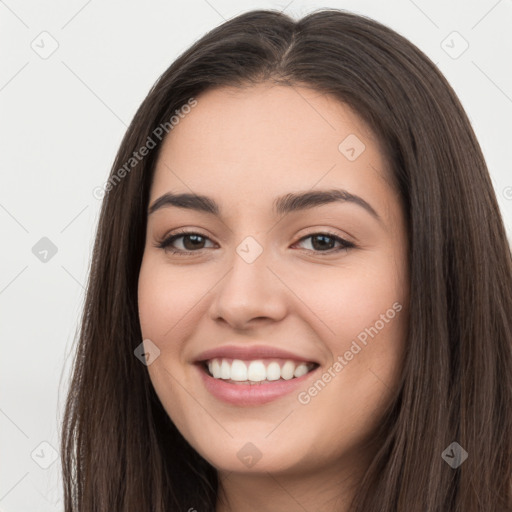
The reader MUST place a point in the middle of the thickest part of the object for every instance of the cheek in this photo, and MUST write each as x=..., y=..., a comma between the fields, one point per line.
x=351, y=395
x=167, y=300
x=347, y=301
x=365, y=310
x=164, y=299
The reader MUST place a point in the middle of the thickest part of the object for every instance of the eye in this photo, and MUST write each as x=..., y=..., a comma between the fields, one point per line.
x=192, y=242
x=322, y=242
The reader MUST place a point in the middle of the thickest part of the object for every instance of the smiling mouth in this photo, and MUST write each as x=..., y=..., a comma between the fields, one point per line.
x=256, y=372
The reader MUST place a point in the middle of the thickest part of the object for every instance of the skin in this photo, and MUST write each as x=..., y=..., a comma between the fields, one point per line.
x=243, y=148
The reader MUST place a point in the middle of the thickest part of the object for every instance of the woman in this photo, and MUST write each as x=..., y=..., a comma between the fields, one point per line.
x=300, y=294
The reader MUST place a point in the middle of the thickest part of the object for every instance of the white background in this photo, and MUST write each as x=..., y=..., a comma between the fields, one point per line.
x=62, y=120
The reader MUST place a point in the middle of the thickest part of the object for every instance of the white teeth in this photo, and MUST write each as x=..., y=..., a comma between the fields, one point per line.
x=238, y=370
x=273, y=371
x=256, y=371
x=225, y=370
x=216, y=368
x=287, y=370
x=301, y=370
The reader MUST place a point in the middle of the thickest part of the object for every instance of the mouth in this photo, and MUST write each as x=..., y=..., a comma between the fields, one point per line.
x=259, y=371
x=253, y=382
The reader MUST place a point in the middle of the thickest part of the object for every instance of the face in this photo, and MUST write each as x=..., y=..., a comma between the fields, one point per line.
x=274, y=288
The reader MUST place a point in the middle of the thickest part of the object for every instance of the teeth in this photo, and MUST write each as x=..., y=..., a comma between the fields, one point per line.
x=287, y=370
x=256, y=371
x=225, y=370
x=273, y=371
x=238, y=370
x=216, y=368
x=301, y=370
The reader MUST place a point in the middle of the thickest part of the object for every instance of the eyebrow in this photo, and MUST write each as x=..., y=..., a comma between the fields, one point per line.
x=284, y=204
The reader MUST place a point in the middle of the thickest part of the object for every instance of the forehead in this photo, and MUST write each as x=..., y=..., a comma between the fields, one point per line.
x=249, y=144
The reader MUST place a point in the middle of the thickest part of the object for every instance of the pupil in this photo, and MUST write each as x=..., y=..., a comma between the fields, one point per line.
x=195, y=244
x=322, y=245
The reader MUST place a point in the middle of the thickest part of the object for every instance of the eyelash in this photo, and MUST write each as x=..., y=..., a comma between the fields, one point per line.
x=165, y=244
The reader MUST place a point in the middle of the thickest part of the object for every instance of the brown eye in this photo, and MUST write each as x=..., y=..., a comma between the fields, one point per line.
x=191, y=242
x=324, y=242
x=194, y=242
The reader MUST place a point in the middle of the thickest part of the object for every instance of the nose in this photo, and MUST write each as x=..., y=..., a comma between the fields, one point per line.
x=250, y=293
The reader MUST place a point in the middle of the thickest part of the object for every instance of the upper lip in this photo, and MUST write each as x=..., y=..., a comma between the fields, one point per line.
x=250, y=353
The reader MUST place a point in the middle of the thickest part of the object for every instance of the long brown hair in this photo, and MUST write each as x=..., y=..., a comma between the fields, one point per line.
x=121, y=452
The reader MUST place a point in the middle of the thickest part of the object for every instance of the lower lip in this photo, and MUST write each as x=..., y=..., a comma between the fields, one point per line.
x=251, y=394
